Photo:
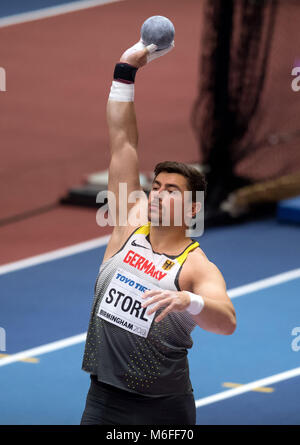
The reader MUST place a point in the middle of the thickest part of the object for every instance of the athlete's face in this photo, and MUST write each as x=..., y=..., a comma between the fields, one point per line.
x=166, y=199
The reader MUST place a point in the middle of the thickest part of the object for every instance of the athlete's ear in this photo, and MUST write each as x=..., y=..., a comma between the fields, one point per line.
x=193, y=209
x=196, y=207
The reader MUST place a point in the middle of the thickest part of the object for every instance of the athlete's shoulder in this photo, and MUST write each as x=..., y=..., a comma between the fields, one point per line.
x=199, y=265
x=197, y=254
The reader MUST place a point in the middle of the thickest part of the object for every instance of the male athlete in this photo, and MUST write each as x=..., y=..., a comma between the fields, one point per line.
x=154, y=286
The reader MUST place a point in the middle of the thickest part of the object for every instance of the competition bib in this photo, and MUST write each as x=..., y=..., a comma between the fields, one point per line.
x=121, y=303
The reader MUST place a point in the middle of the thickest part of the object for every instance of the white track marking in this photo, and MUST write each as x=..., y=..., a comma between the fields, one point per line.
x=263, y=284
x=51, y=11
x=242, y=290
x=248, y=387
x=54, y=255
x=102, y=241
x=39, y=350
x=233, y=293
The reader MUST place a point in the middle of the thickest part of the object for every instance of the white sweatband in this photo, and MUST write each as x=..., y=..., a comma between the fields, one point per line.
x=121, y=92
x=196, y=305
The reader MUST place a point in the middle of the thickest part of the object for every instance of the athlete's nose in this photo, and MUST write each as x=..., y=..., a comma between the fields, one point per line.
x=155, y=196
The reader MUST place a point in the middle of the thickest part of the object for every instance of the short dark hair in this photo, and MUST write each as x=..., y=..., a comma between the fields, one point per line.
x=195, y=179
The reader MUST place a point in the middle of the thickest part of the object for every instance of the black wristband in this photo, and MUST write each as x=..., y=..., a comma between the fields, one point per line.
x=125, y=72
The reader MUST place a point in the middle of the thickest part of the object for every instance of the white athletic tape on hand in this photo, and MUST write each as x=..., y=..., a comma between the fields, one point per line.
x=123, y=92
x=152, y=49
x=159, y=53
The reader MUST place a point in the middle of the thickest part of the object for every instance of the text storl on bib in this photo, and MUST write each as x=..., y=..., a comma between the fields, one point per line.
x=122, y=303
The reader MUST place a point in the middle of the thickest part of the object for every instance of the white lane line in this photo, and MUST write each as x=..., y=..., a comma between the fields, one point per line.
x=39, y=350
x=79, y=338
x=248, y=387
x=52, y=11
x=54, y=254
x=263, y=284
x=102, y=241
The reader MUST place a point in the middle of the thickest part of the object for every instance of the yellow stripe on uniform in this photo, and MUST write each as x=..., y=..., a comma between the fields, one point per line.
x=144, y=230
x=181, y=258
x=259, y=389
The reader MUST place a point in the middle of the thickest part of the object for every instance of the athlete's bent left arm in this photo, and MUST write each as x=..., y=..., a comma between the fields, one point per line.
x=218, y=314
x=206, y=291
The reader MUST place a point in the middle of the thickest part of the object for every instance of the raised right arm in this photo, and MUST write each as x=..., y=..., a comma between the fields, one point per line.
x=123, y=141
x=123, y=137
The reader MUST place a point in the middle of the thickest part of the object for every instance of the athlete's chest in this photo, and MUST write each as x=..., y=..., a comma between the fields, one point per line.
x=138, y=257
x=127, y=276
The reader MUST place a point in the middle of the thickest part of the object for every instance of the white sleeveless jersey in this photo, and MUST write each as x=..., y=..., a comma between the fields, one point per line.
x=125, y=347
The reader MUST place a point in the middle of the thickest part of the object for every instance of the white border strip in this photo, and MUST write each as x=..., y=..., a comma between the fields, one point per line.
x=54, y=346
x=54, y=255
x=248, y=387
x=263, y=284
x=52, y=11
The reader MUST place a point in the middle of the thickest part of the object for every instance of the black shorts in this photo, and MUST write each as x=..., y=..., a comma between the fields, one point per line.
x=108, y=405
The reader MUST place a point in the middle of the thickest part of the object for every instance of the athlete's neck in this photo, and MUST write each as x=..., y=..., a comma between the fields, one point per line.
x=169, y=240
